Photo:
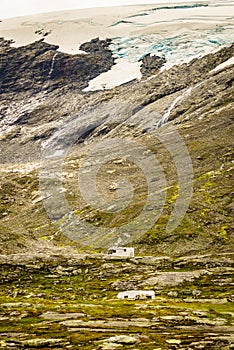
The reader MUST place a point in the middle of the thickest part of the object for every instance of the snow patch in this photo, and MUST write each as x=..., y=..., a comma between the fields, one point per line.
x=122, y=72
x=227, y=63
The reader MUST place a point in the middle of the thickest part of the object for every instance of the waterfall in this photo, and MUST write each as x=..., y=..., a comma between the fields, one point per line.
x=46, y=83
x=166, y=115
x=52, y=65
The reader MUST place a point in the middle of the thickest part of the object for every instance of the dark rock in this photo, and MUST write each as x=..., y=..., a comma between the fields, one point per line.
x=40, y=66
x=151, y=64
x=96, y=46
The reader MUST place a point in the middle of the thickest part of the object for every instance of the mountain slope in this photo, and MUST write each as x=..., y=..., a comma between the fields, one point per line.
x=192, y=97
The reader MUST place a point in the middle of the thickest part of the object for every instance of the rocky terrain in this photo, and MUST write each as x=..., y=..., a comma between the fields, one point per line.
x=55, y=291
x=39, y=65
x=53, y=301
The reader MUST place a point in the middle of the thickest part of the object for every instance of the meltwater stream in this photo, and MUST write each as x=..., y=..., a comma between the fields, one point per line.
x=166, y=115
x=52, y=65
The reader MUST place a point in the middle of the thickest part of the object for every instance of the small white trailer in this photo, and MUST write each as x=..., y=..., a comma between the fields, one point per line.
x=137, y=294
x=121, y=252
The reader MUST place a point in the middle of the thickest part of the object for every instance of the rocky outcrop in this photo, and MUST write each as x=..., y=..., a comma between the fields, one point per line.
x=151, y=64
x=40, y=66
x=97, y=46
x=182, y=76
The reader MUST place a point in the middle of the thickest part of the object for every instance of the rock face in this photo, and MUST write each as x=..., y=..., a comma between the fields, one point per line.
x=151, y=64
x=39, y=66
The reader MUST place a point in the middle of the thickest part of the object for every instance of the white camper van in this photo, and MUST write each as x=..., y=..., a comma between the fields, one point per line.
x=137, y=294
x=121, y=252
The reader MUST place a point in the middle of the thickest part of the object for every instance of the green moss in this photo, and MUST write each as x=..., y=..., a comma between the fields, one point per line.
x=91, y=293
x=223, y=231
